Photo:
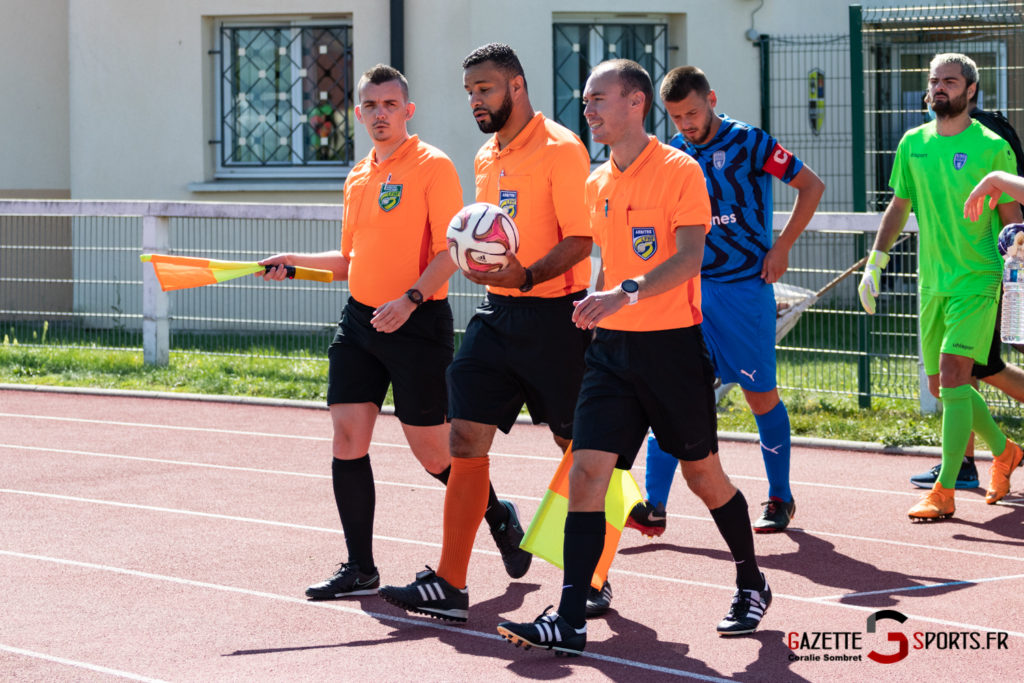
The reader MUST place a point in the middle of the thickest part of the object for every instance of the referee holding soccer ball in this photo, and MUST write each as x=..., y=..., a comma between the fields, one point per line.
x=397, y=325
x=521, y=346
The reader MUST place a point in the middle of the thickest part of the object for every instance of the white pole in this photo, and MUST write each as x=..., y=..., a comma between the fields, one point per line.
x=156, y=339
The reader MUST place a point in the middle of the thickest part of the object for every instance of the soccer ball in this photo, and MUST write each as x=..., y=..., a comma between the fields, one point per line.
x=1008, y=235
x=479, y=235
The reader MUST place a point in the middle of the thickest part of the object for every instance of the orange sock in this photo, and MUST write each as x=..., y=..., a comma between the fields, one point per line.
x=465, y=501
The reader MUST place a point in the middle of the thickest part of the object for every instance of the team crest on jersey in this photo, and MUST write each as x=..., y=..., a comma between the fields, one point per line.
x=390, y=196
x=959, y=159
x=508, y=200
x=718, y=159
x=645, y=242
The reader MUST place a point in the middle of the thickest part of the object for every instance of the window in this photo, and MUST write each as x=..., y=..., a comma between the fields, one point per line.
x=581, y=46
x=285, y=100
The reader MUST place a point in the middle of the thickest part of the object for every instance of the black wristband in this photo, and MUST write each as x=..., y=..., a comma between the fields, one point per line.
x=414, y=296
x=528, y=282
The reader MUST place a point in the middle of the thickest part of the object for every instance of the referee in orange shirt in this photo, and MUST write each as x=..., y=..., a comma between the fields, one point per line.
x=397, y=325
x=647, y=364
x=521, y=346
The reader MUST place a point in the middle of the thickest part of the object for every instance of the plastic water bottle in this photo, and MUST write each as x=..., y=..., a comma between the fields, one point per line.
x=1012, y=321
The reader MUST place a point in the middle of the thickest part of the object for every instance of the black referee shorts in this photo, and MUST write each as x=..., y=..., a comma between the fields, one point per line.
x=994, y=364
x=412, y=359
x=519, y=350
x=635, y=380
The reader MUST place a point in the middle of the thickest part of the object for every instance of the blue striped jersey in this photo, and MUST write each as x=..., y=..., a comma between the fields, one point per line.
x=739, y=163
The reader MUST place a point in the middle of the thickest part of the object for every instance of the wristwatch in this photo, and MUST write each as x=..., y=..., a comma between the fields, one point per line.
x=415, y=296
x=528, y=282
x=632, y=290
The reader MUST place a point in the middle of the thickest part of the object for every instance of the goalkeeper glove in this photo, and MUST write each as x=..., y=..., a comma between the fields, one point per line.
x=869, y=284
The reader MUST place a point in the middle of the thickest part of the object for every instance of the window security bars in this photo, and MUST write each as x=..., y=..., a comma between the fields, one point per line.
x=285, y=100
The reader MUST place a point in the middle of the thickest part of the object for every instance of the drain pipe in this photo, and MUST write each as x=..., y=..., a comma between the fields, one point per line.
x=398, y=34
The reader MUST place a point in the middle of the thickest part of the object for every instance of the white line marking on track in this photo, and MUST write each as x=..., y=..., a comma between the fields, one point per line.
x=903, y=544
x=822, y=600
x=80, y=665
x=425, y=623
x=190, y=463
x=906, y=589
x=235, y=432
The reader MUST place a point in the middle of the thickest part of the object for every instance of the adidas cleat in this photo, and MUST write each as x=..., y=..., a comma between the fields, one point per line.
x=431, y=595
x=548, y=631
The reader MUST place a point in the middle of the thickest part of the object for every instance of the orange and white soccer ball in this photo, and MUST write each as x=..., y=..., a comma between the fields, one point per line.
x=479, y=235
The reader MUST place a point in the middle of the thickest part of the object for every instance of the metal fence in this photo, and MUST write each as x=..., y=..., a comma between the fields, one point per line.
x=898, y=43
x=842, y=102
x=805, y=104
x=70, y=276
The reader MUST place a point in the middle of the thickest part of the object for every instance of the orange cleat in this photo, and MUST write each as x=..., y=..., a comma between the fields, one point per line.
x=936, y=504
x=999, y=473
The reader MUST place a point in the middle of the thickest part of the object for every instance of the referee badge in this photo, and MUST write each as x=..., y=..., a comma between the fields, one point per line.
x=959, y=159
x=390, y=196
x=645, y=242
x=508, y=200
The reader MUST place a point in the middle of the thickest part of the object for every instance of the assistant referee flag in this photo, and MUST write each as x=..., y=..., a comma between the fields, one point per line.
x=546, y=534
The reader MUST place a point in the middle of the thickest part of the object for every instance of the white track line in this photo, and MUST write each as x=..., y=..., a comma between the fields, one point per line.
x=425, y=623
x=80, y=665
x=481, y=551
x=905, y=589
x=425, y=486
x=236, y=432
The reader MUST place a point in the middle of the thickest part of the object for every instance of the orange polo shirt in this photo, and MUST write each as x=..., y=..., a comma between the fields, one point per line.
x=538, y=179
x=635, y=214
x=395, y=218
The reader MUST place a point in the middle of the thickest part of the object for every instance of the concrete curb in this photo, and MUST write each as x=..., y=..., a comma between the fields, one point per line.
x=802, y=441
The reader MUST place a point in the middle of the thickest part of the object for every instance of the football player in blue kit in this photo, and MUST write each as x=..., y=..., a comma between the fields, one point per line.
x=740, y=264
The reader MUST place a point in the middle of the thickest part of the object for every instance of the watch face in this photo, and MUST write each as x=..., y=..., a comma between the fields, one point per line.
x=630, y=286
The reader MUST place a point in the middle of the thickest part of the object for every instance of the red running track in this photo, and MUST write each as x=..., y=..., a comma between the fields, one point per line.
x=155, y=539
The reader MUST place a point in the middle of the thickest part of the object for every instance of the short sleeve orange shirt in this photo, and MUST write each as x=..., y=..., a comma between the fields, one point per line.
x=538, y=179
x=635, y=214
x=396, y=215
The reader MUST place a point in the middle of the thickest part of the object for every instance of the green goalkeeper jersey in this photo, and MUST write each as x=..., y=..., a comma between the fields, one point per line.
x=937, y=173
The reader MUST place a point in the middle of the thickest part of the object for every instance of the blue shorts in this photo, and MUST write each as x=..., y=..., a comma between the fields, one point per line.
x=739, y=331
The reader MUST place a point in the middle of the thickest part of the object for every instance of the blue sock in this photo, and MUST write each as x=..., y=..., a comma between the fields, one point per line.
x=661, y=467
x=773, y=427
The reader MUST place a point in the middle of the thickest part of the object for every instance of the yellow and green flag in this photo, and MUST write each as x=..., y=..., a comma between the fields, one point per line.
x=183, y=272
x=545, y=536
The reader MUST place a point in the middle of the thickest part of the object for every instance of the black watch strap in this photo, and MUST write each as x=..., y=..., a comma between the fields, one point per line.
x=415, y=296
x=528, y=282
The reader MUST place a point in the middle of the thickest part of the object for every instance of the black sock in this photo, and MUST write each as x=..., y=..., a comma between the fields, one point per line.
x=356, y=498
x=443, y=475
x=584, y=542
x=734, y=524
x=969, y=459
x=496, y=514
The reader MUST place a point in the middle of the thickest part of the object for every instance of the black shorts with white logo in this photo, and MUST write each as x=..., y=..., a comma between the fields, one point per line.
x=412, y=359
x=635, y=380
x=519, y=350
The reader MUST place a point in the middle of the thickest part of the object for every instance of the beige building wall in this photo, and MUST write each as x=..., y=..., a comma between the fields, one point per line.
x=143, y=92
x=34, y=108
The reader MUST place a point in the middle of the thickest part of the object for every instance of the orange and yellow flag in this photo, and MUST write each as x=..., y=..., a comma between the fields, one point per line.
x=183, y=272
x=546, y=534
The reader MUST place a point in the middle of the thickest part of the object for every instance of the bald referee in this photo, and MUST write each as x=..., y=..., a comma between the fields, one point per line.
x=647, y=364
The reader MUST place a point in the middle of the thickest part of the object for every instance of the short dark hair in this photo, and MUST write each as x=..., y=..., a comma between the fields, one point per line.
x=632, y=77
x=382, y=73
x=503, y=56
x=681, y=81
